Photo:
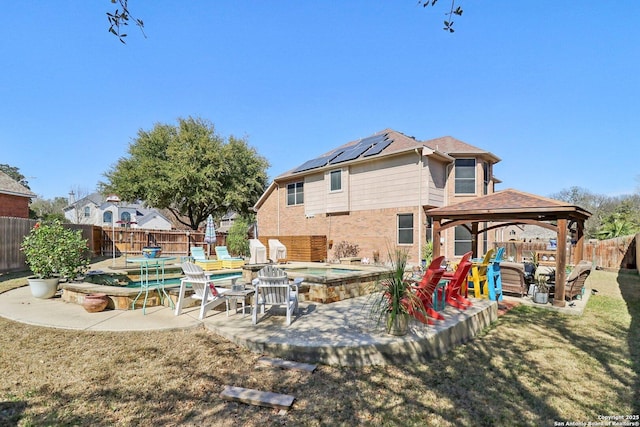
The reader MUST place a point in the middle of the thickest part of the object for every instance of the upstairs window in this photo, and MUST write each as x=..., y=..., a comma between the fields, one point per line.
x=336, y=180
x=87, y=211
x=125, y=218
x=465, y=176
x=405, y=229
x=485, y=184
x=107, y=217
x=295, y=194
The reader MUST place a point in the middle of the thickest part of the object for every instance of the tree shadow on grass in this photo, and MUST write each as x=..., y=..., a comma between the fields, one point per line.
x=629, y=284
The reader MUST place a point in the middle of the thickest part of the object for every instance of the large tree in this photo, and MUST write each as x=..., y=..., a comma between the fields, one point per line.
x=189, y=170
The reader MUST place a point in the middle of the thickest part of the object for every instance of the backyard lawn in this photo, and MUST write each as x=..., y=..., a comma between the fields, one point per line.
x=532, y=367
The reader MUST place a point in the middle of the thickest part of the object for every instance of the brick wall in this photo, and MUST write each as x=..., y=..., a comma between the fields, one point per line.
x=14, y=206
x=371, y=230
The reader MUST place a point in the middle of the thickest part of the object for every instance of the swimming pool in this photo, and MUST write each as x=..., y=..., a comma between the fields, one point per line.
x=175, y=281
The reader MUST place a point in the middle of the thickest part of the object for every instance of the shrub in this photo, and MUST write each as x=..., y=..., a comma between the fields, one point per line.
x=237, y=241
x=52, y=250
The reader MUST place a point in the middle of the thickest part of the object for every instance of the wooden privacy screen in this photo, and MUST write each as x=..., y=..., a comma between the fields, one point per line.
x=301, y=248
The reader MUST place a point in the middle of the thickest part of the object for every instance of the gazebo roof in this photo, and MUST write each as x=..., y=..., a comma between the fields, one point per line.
x=510, y=204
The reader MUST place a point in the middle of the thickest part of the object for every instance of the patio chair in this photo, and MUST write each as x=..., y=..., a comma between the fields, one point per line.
x=258, y=252
x=277, y=251
x=513, y=278
x=200, y=258
x=494, y=285
x=203, y=289
x=222, y=253
x=456, y=281
x=273, y=288
x=479, y=277
x=576, y=280
x=425, y=290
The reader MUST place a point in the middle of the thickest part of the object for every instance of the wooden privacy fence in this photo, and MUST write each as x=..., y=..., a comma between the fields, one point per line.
x=620, y=252
x=301, y=248
x=13, y=231
x=130, y=241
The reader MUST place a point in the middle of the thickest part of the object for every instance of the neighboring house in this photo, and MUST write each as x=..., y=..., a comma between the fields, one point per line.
x=374, y=192
x=14, y=197
x=227, y=221
x=94, y=209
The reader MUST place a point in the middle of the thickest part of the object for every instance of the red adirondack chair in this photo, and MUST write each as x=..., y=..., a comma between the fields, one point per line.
x=424, y=291
x=456, y=280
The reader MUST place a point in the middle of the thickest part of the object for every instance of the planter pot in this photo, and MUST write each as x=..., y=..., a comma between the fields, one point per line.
x=43, y=288
x=399, y=326
x=541, y=297
x=94, y=303
x=151, y=251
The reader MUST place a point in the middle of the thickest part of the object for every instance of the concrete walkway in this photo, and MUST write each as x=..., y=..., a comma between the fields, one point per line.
x=340, y=333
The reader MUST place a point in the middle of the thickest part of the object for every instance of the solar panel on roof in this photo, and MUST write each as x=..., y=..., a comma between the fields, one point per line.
x=318, y=162
x=312, y=164
x=352, y=153
x=377, y=148
x=373, y=139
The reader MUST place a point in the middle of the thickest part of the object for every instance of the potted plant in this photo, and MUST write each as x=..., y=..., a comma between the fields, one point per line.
x=52, y=253
x=395, y=300
x=541, y=291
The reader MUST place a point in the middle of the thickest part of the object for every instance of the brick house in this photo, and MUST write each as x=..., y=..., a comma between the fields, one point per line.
x=374, y=192
x=14, y=197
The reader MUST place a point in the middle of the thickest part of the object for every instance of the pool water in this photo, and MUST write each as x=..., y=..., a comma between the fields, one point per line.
x=176, y=280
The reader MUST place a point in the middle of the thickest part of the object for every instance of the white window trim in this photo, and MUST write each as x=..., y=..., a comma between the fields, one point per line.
x=331, y=180
x=413, y=229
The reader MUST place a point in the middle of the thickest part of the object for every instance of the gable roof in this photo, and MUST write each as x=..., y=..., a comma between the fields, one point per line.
x=94, y=198
x=12, y=187
x=510, y=204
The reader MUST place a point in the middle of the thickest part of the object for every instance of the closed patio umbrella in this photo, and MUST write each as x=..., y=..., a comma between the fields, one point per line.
x=210, y=233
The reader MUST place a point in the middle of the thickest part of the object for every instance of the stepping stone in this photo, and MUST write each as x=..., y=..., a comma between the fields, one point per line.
x=286, y=364
x=257, y=397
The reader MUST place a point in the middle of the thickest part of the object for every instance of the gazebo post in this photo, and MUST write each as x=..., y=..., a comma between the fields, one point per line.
x=561, y=263
x=436, y=239
x=579, y=249
x=474, y=239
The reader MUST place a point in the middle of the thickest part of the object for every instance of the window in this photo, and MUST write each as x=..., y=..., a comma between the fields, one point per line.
x=465, y=171
x=87, y=211
x=485, y=184
x=125, y=218
x=462, y=243
x=336, y=180
x=428, y=230
x=107, y=217
x=405, y=229
x=295, y=194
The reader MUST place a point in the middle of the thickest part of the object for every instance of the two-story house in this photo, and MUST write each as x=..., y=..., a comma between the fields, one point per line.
x=375, y=191
x=95, y=209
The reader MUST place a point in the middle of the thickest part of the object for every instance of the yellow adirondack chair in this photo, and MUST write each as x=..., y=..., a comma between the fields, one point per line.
x=478, y=276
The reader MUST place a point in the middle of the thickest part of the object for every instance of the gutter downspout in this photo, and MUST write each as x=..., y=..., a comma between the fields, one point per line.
x=420, y=212
x=278, y=210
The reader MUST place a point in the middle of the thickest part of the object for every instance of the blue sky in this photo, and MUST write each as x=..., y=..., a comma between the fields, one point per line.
x=552, y=88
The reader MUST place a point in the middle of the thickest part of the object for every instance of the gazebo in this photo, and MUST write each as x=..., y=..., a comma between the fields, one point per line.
x=510, y=207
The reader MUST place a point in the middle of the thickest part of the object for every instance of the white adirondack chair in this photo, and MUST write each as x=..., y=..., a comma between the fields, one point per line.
x=273, y=288
x=203, y=289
